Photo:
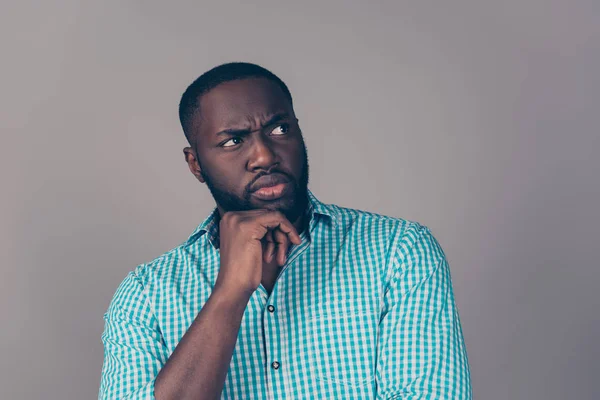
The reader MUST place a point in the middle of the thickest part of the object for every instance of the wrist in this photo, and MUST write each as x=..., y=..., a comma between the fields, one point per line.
x=230, y=297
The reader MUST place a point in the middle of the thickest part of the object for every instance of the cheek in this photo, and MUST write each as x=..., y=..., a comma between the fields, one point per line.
x=230, y=176
x=297, y=158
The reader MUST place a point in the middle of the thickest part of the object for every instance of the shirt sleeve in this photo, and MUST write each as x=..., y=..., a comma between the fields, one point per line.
x=134, y=351
x=421, y=350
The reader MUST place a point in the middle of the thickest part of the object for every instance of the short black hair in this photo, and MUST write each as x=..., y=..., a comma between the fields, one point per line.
x=190, y=100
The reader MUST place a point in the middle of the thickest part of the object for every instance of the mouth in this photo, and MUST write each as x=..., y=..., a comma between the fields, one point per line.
x=272, y=192
x=271, y=187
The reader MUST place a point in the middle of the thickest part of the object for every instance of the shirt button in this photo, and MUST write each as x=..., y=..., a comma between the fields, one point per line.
x=275, y=365
x=271, y=308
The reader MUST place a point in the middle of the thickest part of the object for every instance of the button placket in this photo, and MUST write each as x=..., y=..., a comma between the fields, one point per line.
x=271, y=337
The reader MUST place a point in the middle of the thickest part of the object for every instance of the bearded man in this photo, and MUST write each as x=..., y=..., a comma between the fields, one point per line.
x=276, y=295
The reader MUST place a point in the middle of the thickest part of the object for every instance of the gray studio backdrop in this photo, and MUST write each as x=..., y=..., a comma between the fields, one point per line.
x=478, y=119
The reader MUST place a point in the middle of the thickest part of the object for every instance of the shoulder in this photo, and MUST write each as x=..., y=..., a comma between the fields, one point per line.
x=403, y=237
x=169, y=264
x=400, y=230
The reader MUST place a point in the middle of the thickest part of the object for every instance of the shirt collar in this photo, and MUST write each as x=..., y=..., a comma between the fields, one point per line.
x=210, y=224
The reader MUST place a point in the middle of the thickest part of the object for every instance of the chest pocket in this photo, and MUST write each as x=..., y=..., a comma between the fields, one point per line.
x=343, y=343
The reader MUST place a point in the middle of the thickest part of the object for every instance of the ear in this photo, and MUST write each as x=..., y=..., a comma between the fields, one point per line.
x=192, y=162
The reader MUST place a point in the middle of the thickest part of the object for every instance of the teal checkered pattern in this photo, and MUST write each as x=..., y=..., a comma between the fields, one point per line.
x=363, y=309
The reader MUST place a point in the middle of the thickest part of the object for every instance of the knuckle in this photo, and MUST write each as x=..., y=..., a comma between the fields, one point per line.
x=279, y=214
x=243, y=226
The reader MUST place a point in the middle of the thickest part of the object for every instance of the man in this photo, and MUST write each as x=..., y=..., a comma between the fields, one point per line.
x=276, y=295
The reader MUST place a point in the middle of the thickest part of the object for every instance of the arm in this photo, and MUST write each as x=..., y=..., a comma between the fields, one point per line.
x=135, y=353
x=133, y=348
x=421, y=351
x=198, y=367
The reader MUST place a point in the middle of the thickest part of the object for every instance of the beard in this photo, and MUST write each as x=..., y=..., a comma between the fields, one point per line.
x=292, y=206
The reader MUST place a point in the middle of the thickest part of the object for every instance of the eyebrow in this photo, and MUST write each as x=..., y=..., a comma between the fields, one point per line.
x=241, y=132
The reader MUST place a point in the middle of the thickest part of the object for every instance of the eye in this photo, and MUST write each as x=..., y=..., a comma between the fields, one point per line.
x=280, y=129
x=230, y=143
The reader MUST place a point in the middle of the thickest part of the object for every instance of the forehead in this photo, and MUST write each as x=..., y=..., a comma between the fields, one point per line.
x=233, y=104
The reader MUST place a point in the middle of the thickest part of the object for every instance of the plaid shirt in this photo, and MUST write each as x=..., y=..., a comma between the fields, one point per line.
x=362, y=309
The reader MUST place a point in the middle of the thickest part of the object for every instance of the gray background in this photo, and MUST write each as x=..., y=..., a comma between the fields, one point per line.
x=478, y=119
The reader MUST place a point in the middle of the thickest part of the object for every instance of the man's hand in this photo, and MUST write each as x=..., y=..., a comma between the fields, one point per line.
x=247, y=238
x=198, y=366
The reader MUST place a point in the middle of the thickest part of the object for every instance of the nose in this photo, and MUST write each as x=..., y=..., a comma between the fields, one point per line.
x=262, y=155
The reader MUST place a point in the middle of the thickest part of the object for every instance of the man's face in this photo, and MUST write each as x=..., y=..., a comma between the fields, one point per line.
x=246, y=137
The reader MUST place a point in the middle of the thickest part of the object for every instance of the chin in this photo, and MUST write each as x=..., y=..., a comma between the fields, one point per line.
x=286, y=205
x=283, y=203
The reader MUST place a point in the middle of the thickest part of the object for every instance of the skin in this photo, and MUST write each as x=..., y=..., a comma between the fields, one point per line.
x=246, y=130
x=230, y=163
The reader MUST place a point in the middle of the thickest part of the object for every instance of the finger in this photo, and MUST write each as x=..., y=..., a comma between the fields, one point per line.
x=265, y=246
x=277, y=220
x=271, y=254
x=283, y=242
x=270, y=247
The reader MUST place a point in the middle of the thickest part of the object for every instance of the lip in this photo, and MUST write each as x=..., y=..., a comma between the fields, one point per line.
x=270, y=180
x=272, y=192
x=271, y=187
